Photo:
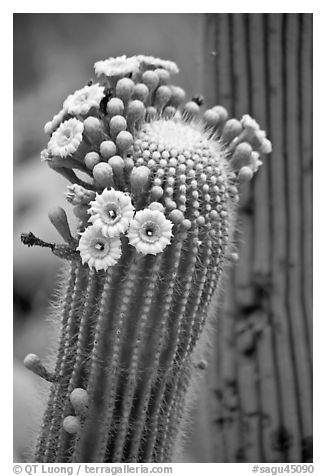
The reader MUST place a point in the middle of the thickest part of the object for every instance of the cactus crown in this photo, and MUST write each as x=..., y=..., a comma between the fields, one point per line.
x=155, y=219
x=144, y=149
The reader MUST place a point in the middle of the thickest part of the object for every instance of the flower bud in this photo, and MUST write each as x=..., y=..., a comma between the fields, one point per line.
x=91, y=159
x=117, y=124
x=211, y=118
x=33, y=363
x=156, y=192
x=222, y=113
x=241, y=156
x=103, y=174
x=191, y=109
x=115, y=107
x=186, y=224
x=156, y=206
x=168, y=112
x=80, y=401
x=231, y=129
x=178, y=96
x=135, y=111
x=71, y=424
x=151, y=79
x=117, y=163
x=93, y=129
x=107, y=149
x=245, y=174
x=141, y=92
x=170, y=204
x=151, y=113
x=58, y=218
x=163, y=75
x=162, y=95
x=176, y=216
x=78, y=195
x=124, y=89
x=251, y=133
x=139, y=178
x=129, y=165
x=124, y=140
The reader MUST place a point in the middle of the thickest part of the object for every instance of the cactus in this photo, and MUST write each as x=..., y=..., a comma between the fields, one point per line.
x=258, y=395
x=156, y=216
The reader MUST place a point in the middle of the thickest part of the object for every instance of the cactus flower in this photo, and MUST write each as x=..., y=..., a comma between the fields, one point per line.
x=84, y=99
x=66, y=139
x=111, y=211
x=150, y=232
x=97, y=250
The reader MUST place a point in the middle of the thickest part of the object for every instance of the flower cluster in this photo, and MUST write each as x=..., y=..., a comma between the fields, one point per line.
x=113, y=214
x=130, y=140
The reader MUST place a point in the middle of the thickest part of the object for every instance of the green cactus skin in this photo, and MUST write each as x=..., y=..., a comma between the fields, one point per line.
x=129, y=331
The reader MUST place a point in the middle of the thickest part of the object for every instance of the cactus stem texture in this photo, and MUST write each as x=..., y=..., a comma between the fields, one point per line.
x=49, y=413
x=154, y=352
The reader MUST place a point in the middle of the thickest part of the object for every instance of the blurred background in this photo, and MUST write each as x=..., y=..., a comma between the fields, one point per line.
x=256, y=404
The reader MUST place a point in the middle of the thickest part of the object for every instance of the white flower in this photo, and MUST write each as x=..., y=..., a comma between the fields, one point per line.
x=55, y=122
x=66, y=139
x=112, y=211
x=159, y=63
x=84, y=99
x=255, y=163
x=119, y=66
x=249, y=123
x=97, y=250
x=150, y=232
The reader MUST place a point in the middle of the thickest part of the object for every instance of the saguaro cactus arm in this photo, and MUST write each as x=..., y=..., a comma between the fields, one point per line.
x=155, y=225
x=262, y=63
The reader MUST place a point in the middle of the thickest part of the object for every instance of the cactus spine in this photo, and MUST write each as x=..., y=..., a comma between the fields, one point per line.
x=161, y=198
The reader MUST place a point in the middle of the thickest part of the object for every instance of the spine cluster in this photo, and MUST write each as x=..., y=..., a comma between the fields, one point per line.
x=155, y=221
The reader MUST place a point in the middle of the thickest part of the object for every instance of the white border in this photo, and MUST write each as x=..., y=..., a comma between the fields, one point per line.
x=319, y=197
